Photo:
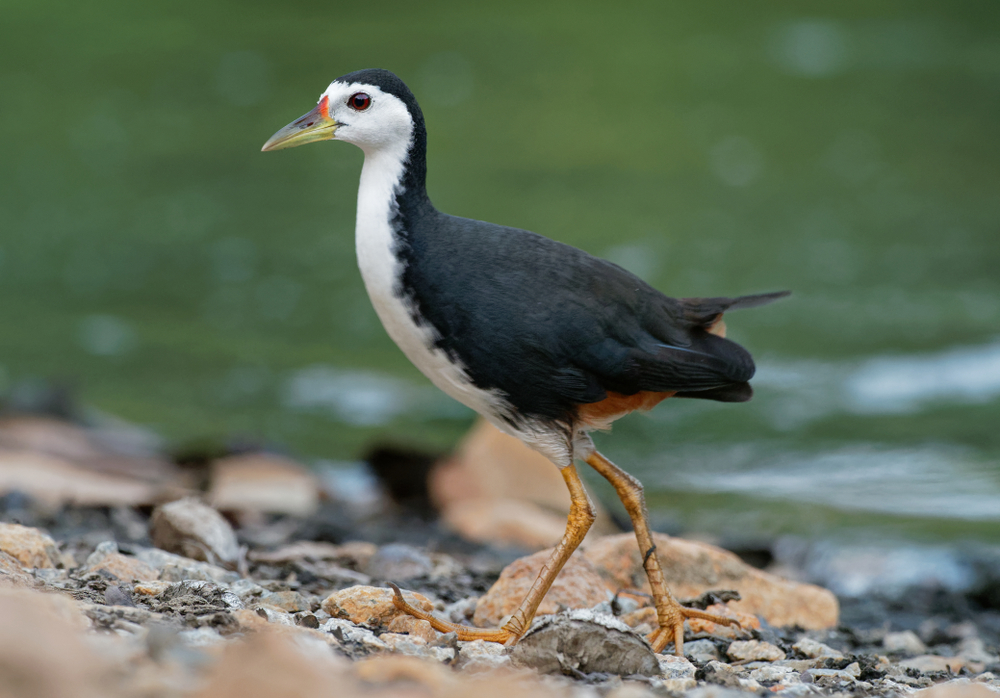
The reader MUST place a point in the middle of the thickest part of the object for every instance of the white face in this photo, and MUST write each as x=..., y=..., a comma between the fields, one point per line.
x=369, y=118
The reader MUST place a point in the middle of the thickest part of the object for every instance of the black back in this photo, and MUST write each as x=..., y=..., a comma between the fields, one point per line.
x=549, y=325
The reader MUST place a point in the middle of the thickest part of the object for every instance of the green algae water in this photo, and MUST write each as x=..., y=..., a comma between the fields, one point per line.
x=154, y=259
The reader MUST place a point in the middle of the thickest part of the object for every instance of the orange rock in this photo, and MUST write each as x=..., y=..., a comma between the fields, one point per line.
x=29, y=546
x=371, y=606
x=579, y=585
x=496, y=489
x=414, y=627
x=12, y=574
x=43, y=652
x=691, y=568
x=125, y=568
x=263, y=482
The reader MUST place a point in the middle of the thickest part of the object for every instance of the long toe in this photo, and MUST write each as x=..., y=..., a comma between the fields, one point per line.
x=463, y=632
x=672, y=630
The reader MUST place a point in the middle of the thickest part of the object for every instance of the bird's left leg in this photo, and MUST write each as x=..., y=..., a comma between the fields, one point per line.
x=581, y=516
x=670, y=614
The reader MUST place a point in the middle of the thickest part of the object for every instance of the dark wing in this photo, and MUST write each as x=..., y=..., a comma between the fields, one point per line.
x=554, y=327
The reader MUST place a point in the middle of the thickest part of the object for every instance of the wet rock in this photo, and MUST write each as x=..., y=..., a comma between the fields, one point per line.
x=371, y=606
x=754, y=651
x=30, y=547
x=177, y=568
x=813, y=649
x=480, y=655
x=701, y=651
x=398, y=562
x=905, y=642
x=579, y=585
x=495, y=489
x=188, y=527
x=107, y=560
x=263, y=482
x=581, y=641
x=692, y=568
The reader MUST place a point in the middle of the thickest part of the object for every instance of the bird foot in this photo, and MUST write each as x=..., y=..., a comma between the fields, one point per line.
x=672, y=627
x=504, y=635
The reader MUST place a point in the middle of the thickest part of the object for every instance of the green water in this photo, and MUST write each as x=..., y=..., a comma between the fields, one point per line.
x=152, y=257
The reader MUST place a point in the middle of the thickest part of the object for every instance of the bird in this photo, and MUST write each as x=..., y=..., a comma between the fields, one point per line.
x=542, y=339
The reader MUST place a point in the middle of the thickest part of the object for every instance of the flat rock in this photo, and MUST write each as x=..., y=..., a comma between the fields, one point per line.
x=581, y=641
x=371, y=606
x=691, y=568
x=754, y=651
x=959, y=688
x=188, y=527
x=31, y=547
x=107, y=559
x=929, y=663
x=579, y=585
x=263, y=482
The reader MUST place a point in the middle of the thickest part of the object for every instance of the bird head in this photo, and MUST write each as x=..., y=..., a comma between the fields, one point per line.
x=372, y=109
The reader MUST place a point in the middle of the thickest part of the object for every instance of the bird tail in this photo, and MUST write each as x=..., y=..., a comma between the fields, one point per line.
x=704, y=312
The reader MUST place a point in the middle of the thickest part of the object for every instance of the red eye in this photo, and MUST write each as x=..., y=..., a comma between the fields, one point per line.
x=359, y=101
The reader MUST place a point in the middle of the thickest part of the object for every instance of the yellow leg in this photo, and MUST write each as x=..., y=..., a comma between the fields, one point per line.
x=581, y=516
x=670, y=614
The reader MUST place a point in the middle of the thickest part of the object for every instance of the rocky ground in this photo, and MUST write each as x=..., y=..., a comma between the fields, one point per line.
x=138, y=586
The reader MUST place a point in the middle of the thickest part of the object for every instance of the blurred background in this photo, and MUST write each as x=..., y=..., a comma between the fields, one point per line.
x=153, y=260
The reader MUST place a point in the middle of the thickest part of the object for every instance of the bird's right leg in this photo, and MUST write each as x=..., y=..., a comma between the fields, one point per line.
x=581, y=516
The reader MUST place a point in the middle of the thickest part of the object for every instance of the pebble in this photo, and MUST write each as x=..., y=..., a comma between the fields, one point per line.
x=372, y=606
x=775, y=674
x=177, y=568
x=31, y=547
x=904, y=642
x=754, y=651
x=929, y=663
x=479, y=655
x=12, y=575
x=674, y=667
x=416, y=647
x=701, y=651
x=188, y=527
x=582, y=641
x=813, y=649
x=290, y=601
x=398, y=562
x=415, y=627
x=127, y=568
x=721, y=673
x=352, y=633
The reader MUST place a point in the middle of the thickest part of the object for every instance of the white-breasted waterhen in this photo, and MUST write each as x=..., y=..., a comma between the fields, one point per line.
x=545, y=341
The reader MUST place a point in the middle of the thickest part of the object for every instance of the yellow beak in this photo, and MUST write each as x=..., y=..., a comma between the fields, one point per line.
x=308, y=128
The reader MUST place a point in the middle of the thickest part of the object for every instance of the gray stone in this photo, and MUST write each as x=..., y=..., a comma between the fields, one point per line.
x=586, y=642
x=347, y=632
x=701, y=651
x=177, y=568
x=722, y=674
x=480, y=655
x=399, y=562
x=813, y=649
x=754, y=650
x=674, y=667
x=905, y=642
x=188, y=527
x=771, y=673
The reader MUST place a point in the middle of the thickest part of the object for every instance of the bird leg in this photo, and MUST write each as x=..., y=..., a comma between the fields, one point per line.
x=670, y=614
x=581, y=516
